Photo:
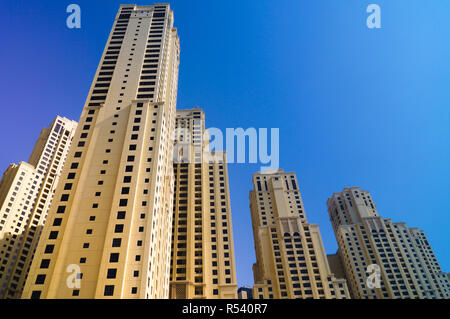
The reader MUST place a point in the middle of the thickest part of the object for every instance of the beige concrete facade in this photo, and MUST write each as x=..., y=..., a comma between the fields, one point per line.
x=290, y=257
x=203, y=265
x=407, y=265
x=26, y=192
x=109, y=229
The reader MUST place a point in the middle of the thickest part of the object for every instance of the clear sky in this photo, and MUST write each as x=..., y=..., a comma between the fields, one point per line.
x=355, y=106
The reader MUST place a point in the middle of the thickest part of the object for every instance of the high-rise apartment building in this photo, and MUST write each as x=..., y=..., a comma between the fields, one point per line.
x=382, y=259
x=290, y=257
x=245, y=292
x=26, y=192
x=203, y=263
x=108, y=233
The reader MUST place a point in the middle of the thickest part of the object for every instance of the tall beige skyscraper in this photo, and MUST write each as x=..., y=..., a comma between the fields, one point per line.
x=203, y=263
x=382, y=259
x=26, y=192
x=290, y=257
x=108, y=234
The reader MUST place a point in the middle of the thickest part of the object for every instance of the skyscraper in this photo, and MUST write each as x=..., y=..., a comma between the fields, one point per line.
x=203, y=263
x=26, y=192
x=109, y=229
x=290, y=257
x=382, y=259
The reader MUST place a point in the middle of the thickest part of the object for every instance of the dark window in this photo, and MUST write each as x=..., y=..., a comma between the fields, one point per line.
x=57, y=222
x=35, y=294
x=61, y=209
x=127, y=179
x=123, y=202
x=40, y=279
x=53, y=235
x=49, y=249
x=111, y=273
x=118, y=228
x=114, y=257
x=109, y=290
x=117, y=242
x=45, y=263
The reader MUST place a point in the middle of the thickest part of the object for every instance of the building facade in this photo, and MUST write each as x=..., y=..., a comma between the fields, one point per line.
x=382, y=259
x=290, y=257
x=26, y=192
x=203, y=265
x=245, y=292
x=108, y=233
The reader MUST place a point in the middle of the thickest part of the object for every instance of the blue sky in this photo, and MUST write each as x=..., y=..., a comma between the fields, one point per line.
x=355, y=107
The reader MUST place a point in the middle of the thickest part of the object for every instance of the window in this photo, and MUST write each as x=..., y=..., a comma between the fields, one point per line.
x=118, y=228
x=35, y=294
x=40, y=279
x=57, y=222
x=45, y=263
x=53, y=235
x=123, y=202
x=64, y=197
x=111, y=273
x=121, y=215
x=109, y=290
x=116, y=242
x=61, y=209
x=114, y=257
x=49, y=249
